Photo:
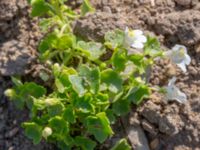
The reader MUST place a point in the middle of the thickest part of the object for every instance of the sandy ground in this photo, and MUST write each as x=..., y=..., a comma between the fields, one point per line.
x=155, y=124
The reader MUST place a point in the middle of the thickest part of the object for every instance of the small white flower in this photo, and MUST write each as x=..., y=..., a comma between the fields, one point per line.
x=134, y=38
x=46, y=132
x=179, y=56
x=173, y=93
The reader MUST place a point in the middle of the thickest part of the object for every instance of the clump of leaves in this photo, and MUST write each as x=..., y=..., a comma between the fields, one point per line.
x=87, y=95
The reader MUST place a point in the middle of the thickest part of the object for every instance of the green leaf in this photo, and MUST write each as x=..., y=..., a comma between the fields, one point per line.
x=39, y=7
x=63, y=146
x=84, y=104
x=59, y=126
x=122, y=145
x=68, y=71
x=69, y=114
x=25, y=93
x=61, y=88
x=99, y=126
x=111, y=116
x=86, y=7
x=112, y=80
x=16, y=81
x=64, y=140
x=105, y=122
x=55, y=109
x=119, y=60
x=137, y=94
x=33, y=131
x=45, y=24
x=68, y=139
x=85, y=143
x=62, y=1
x=102, y=101
x=65, y=41
x=91, y=76
x=121, y=107
x=114, y=39
x=55, y=41
x=95, y=80
x=77, y=84
x=139, y=61
x=62, y=81
x=39, y=104
x=152, y=46
x=92, y=50
x=48, y=42
x=136, y=59
x=29, y=1
x=32, y=89
x=56, y=69
x=70, y=13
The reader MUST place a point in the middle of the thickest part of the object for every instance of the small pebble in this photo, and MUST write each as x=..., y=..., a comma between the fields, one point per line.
x=11, y=148
x=154, y=144
x=183, y=2
x=12, y=133
x=149, y=127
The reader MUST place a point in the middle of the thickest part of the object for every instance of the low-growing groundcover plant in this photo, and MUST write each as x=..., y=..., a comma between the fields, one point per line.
x=94, y=83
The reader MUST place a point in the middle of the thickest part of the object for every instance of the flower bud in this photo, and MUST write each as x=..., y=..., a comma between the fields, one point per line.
x=56, y=69
x=10, y=93
x=49, y=62
x=49, y=101
x=103, y=65
x=44, y=76
x=46, y=132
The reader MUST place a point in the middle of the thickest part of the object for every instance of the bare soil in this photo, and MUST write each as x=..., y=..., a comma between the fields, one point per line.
x=155, y=125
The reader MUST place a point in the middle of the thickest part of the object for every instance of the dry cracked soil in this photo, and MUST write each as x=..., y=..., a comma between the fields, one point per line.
x=155, y=125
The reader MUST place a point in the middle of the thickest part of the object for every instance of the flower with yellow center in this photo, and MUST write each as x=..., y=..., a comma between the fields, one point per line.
x=134, y=38
x=179, y=56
